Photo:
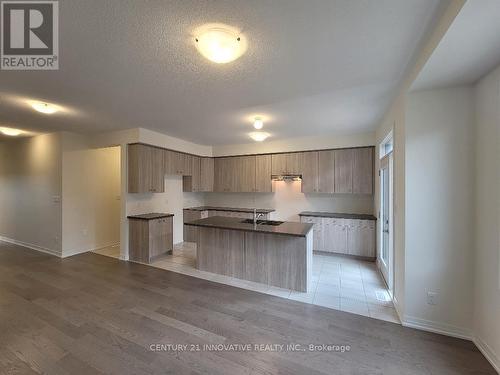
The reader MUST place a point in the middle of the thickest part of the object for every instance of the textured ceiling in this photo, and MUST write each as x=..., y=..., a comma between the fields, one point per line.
x=312, y=67
x=470, y=48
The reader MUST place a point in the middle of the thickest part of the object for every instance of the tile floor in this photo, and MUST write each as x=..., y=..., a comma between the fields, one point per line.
x=338, y=282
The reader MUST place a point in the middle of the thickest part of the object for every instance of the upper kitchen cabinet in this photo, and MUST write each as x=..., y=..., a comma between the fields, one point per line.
x=224, y=174
x=206, y=174
x=308, y=167
x=192, y=183
x=344, y=162
x=326, y=171
x=177, y=163
x=362, y=176
x=286, y=164
x=244, y=173
x=146, y=172
x=263, y=183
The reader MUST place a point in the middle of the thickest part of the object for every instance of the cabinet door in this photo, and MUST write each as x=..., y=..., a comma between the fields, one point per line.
x=309, y=169
x=278, y=164
x=362, y=175
x=243, y=170
x=191, y=183
x=293, y=163
x=361, y=238
x=318, y=231
x=326, y=171
x=263, y=183
x=160, y=237
x=224, y=174
x=206, y=174
x=190, y=232
x=145, y=169
x=343, y=171
x=169, y=159
x=339, y=236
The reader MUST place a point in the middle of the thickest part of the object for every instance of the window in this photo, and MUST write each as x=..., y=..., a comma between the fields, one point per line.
x=386, y=146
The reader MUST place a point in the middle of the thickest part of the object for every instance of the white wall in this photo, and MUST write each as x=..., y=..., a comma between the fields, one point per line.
x=30, y=191
x=173, y=200
x=439, y=208
x=297, y=144
x=91, y=196
x=288, y=201
x=487, y=222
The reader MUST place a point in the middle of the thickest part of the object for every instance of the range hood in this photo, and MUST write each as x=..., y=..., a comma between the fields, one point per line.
x=286, y=177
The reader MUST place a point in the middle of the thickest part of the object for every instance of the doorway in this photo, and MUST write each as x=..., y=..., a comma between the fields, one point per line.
x=385, y=257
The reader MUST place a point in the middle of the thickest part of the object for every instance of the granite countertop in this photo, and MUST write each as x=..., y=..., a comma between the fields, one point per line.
x=234, y=209
x=287, y=228
x=337, y=215
x=150, y=216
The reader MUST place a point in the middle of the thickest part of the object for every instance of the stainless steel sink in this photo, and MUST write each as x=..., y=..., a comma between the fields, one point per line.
x=263, y=222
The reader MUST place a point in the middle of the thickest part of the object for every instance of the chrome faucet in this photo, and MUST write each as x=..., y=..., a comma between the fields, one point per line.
x=256, y=216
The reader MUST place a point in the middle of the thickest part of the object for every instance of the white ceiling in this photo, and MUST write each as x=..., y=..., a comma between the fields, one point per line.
x=313, y=67
x=469, y=49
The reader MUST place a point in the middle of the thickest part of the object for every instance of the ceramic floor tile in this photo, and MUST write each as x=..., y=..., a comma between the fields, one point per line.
x=331, y=290
x=326, y=300
x=354, y=306
x=353, y=294
x=329, y=279
x=278, y=292
x=383, y=313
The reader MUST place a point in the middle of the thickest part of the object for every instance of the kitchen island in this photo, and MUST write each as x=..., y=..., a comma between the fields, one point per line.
x=278, y=255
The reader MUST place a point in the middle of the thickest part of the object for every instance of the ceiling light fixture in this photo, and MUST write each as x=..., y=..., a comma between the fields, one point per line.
x=44, y=107
x=10, y=131
x=220, y=43
x=259, y=136
x=258, y=123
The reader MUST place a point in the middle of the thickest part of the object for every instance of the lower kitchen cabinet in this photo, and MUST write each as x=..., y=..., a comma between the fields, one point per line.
x=343, y=236
x=150, y=238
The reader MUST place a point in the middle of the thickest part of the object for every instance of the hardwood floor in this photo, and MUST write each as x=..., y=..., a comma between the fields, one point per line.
x=92, y=314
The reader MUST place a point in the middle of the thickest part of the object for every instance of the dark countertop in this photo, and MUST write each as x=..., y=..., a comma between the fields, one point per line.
x=234, y=209
x=287, y=228
x=150, y=216
x=337, y=215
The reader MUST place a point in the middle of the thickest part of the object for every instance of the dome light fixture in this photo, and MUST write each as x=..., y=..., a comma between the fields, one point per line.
x=46, y=108
x=11, y=132
x=259, y=136
x=220, y=43
x=258, y=123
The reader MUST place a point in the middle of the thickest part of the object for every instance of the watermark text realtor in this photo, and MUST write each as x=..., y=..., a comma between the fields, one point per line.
x=29, y=35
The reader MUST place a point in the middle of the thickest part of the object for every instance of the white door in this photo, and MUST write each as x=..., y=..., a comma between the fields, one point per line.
x=386, y=236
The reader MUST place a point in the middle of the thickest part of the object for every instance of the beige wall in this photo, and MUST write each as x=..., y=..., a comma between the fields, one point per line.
x=30, y=191
x=91, y=196
x=439, y=209
x=297, y=144
x=487, y=221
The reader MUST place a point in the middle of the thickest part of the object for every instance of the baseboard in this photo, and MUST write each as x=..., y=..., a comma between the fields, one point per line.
x=488, y=353
x=395, y=302
x=71, y=253
x=431, y=326
x=31, y=246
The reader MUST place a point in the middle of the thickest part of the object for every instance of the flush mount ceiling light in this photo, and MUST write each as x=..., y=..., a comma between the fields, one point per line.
x=46, y=108
x=258, y=123
x=259, y=136
x=11, y=132
x=220, y=43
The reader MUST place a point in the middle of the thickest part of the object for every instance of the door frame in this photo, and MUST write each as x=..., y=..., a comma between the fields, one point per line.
x=387, y=270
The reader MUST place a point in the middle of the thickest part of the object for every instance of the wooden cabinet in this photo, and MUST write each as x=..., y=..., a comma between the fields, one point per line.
x=362, y=176
x=206, y=174
x=263, y=183
x=224, y=175
x=344, y=161
x=286, y=164
x=308, y=167
x=326, y=171
x=149, y=239
x=343, y=236
x=146, y=172
x=361, y=238
x=192, y=183
x=177, y=163
x=190, y=233
x=243, y=170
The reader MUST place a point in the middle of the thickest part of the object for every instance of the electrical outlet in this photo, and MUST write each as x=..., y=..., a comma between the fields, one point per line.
x=432, y=298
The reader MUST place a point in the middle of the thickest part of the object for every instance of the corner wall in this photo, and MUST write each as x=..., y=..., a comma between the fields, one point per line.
x=439, y=209
x=30, y=192
x=487, y=221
